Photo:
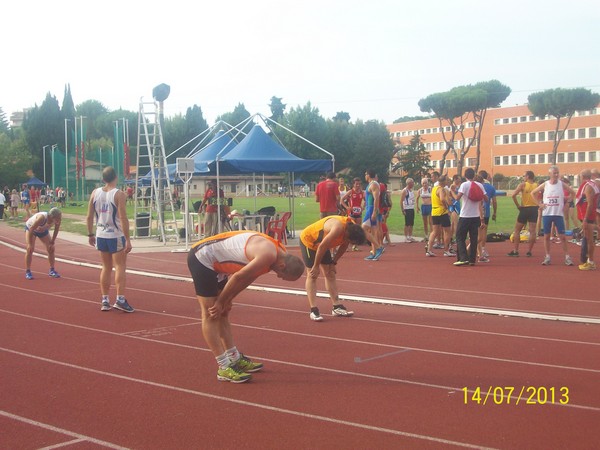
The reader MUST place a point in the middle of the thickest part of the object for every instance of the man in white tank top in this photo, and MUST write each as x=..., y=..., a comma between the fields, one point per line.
x=554, y=194
x=111, y=238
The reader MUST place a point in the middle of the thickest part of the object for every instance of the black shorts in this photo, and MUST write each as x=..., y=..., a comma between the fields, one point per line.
x=205, y=280
x=528, y=214
x=443, y=220
x=308, y=256
x=409, y=217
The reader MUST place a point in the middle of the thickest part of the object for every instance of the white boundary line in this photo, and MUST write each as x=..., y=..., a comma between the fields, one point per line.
x=356, y=298
x=78, y=437
x=235, y=401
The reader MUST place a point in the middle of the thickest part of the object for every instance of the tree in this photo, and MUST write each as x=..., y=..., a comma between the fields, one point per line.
x=372, y=149
x=16, y=160
x=410, y=119
x=448, y=112
x=4, y=128
x=561, y=103
x=91, y=110
x=277, y=109
x=412, y=159
x=464, y=108
x=496, y=93
x=342, y=116
x=340, y=141
x=68, y=107
x=43, y=125
x=308, y=123
x=238, y=115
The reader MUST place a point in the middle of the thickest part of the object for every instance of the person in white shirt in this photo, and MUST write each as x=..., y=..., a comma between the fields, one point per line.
x=470, y=219
x=551, y=197
x=107, y=206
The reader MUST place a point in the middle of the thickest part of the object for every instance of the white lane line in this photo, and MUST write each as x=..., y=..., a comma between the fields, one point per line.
x=45, y=426
x=328, y=338
x=384, y=301
x=239, y=402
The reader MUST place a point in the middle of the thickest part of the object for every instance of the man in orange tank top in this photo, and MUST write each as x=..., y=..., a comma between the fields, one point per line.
x=316, y=242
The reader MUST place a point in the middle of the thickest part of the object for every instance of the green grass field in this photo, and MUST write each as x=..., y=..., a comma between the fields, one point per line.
x=306, y=212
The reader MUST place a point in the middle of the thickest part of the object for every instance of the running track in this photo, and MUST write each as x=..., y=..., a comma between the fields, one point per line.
x=391, y=377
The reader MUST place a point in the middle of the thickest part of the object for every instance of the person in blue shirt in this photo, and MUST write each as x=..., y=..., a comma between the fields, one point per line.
x=488, y=206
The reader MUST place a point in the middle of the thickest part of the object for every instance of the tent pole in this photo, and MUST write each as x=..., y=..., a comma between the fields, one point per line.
x=255, y=189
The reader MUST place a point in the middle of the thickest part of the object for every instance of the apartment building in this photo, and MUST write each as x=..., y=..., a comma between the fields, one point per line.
x=514, y=140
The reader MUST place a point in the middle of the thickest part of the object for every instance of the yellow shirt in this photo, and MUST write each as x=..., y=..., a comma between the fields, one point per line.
x=438, y=208
x=313, y=234
x=526, y=197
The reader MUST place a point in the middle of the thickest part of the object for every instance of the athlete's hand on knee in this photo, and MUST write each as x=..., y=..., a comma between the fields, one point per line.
x=216, y=310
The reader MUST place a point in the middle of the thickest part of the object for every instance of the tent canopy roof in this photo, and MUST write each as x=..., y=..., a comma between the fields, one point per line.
x=258, y=152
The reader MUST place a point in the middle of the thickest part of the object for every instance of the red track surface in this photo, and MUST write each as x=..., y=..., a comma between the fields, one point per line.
x=391, y=377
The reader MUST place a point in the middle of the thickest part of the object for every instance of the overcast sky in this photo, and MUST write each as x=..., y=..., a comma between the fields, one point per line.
x=373, y=59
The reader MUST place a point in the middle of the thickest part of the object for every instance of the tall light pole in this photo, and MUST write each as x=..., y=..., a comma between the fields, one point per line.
x=44, y=160
x=54, y=146
x=66, y=159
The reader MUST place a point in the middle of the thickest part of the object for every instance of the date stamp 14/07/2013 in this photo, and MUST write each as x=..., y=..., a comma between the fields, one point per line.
x=511, y=395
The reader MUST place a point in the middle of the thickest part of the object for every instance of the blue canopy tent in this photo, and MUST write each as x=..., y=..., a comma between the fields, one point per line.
x=34, y=181
x=258, y=152
x=221, y=145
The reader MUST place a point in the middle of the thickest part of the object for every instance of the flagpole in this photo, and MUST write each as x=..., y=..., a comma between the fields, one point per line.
x=66, y=160
x=76, y=162
x=82, y=146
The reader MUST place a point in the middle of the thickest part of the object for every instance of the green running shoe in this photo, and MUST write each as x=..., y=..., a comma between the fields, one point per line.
x=233, y=375
x=245, y=364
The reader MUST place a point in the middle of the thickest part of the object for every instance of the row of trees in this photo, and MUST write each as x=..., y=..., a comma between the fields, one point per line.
x=356, y=146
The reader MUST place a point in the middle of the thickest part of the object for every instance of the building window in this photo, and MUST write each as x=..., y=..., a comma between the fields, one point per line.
x=428, y=146
x=497, y=140
x=505, y=160
x=531, y=137
x=523, y=138
x=435, y=146
x=471, y=162
x=513, y=159
x=581, y=133
x=505, y=120
x=532, y=118
x=551, y=135
x=523, y=119
x=542, y=158
x=591, y=132
x=541, y=136
x=561, y=157
x=581, y=157
x=571, y=157
x=514, y=119
x=591, y=156
x=550, y=158
x=497, y=161
x=523, y=159
x=442, y=146
x=570, y=134
x=531, y=159
x=513, y=139
x=497, y=121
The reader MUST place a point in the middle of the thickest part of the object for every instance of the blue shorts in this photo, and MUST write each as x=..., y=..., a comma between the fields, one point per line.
x=425, y=210
x=110, y=245
x=558, y=221
x=367, y=217
x=39, y=234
